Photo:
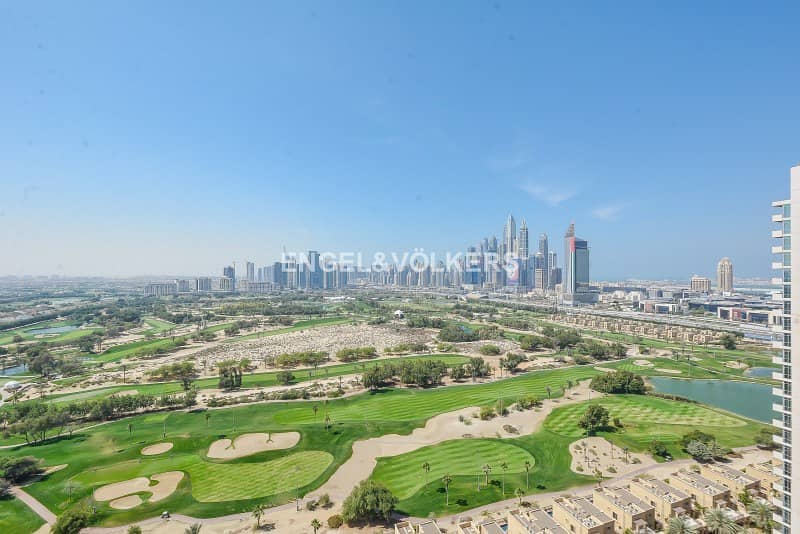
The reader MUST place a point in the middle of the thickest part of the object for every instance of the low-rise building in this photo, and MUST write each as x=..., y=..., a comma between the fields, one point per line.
x=629, y=512
x=765, y=473
x=487, y=526
x=705, y=492
x=731, y=478
x=423, y=527
x=580, y=516
x=533, y=522
x=667, y=501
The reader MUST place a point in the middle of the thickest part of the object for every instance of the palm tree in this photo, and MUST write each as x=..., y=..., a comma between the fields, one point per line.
x=519, y=493
x=193, y=529
x=761, y=515
x=207, y=415
x=504, y=467
x=316, y=525
x=316, y=409
x=680, y=525
x=446, y=480
x=486, y=470
x=427, y=468
x=258, y=513
x=718, y=523
x=549, y=391
x=130, y=429
x=327, y=422
x=527, y=472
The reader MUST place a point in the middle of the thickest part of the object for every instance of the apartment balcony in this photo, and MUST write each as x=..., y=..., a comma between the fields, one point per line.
x=777, y=265
x=778, y=392
x=779, y=441
x=777, y=217
x=779, y=360
x=777, y=344
x=777, y=249
x=777, y=375
x=777, y=234
x=777, y=407
x=778, y=423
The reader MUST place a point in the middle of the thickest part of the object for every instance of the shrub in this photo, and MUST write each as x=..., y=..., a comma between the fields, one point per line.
x=486, y=413
x=489, y=350
x=335, y=521
x=369, y=501
x=618, y=382
x=71, y=522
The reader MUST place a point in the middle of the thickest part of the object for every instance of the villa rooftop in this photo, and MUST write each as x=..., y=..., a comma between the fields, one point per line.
x=661, y=489
x=731, y=474
x=583, y=511
x=700, y=482
x=624, y=499
x=537, y=522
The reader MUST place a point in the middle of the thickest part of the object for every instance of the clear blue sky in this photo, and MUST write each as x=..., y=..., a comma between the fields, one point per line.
x=174, y=137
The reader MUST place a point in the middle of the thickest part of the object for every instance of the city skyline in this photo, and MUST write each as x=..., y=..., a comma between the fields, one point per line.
x=180, y=150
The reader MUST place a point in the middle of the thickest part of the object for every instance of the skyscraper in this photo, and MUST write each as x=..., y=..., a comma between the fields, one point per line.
x=509, y=236
x=315, y=270
x=525, y=280
x=554, y=276
x=725, y=276
x=787, y=405
x=544, y=252
x=230, y=272
x=251, y=271
x=576, y=265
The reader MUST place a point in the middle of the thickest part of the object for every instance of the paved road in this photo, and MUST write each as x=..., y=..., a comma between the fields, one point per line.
x=40, y=509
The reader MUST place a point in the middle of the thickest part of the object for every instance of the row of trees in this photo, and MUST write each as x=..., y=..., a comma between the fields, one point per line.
x=619, y=382
x=293, y=359
x=454, y=333
x=411, y=372
x=356, y=353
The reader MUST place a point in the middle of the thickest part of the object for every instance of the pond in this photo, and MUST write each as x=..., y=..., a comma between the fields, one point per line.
x=762, y=372
x=14, y=370
x=744, y=398
x=52, y=330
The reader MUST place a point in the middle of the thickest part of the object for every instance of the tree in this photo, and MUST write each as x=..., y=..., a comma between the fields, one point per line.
x=447, y=480
x=745, y=498
x=504, y=467
x=426, y=467
x=761, y=515
x=519, y=493
x=719, y=523
x=527, y=472
x=369, y=501
x=594, y=418
x=134, y=529
x=207, y=416
x=258, y=513
x=5, y=488
x=316, y=525
x=618, y=382
x=193, y=529
x=680, y=525
x=657, y=448
x=71, y=522
x=764, y=439
x=284, y=378
x=728, y=341
x=486, y=470
x=703, y=452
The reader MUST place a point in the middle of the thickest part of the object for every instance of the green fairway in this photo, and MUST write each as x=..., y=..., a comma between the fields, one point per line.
x=158, y=326
x=404, y=476
x=29, y=333
x=17, y=518
x=649, y=418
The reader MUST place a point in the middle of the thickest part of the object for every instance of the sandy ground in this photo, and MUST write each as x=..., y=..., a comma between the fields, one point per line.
x=126, y=503
x=736, y=365
x=119, y=492
x=642, y=363
x=54, y=468
x=248, y=444
x=595, y=453
x=669, y=371
x=158, y=448
x=440, y=428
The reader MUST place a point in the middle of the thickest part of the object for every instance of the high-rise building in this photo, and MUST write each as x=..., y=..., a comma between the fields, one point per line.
x=204, y=283
x=552, y=266
x=251, y=271
x=787, y=406
x=543, y=246
x=230, y=272
x=525, y=279
x=576, y=264
x=315, y=270
x=160, y=289
x=725, y=276
x=510, y=236
x=700, y=284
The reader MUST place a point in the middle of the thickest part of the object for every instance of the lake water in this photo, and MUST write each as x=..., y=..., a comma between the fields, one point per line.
x=745, y=398
x=11, y=371
x=762, y=372
x=53, y=330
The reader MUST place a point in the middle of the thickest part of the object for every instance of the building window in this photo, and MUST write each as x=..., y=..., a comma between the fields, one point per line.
x=787, y=291
x=787, y=259
x=787, y=227
x=787, y=243
x=787, y=275
x=787, y=210
x=787, y=307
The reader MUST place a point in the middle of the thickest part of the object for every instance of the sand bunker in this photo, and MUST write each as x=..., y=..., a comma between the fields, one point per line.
x=121, y=494
x=736, y=365
x=248, y=444
x=670, y=371
x=594, y=453
x=126, y=503
x=158, y=448
x=54, y=468
x=642, y=363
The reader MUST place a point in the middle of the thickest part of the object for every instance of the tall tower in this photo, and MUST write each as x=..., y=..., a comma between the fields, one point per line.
x=787, y=398
x=725, y=276
x=522, y=243
x=576, y=263
x=543, y=245
x=509, y=236
x=251, y=271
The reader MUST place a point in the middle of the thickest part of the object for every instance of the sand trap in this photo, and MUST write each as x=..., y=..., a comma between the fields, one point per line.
x=670, y=371
x=589, y=455
x=121, y=494
x=126, y=503
x=642, y=363
x=126, y=392
x=158, y=448
x=248, y=444
x=736, y=365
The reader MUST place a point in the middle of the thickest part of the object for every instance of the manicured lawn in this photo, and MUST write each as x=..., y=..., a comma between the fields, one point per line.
x=404, y=476
x=158, y=326
x=17, y=518
x=7, y=336
x=647, y=418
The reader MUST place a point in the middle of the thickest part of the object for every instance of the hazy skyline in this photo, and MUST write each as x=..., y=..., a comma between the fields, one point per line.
x=153, y=139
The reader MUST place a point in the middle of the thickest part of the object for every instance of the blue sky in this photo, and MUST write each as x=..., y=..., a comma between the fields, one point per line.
x=175, y=137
